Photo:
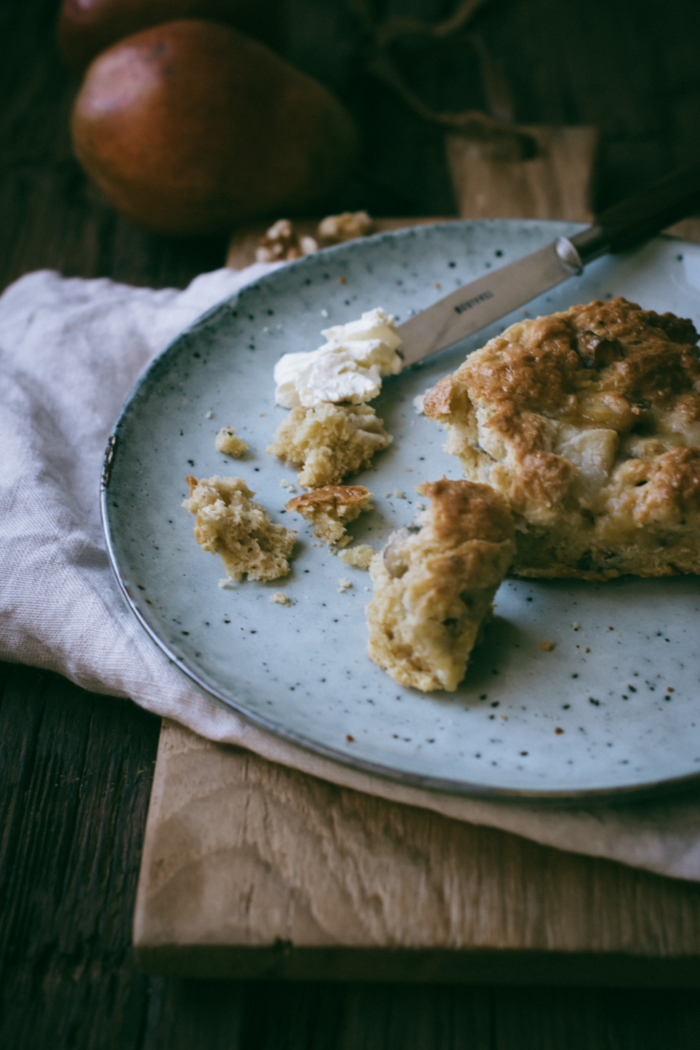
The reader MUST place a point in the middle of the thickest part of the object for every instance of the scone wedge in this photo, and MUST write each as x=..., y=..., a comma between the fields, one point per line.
x=588, y=423
x=433, y=586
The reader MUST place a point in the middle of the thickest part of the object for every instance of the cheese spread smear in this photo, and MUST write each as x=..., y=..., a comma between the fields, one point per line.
x=348, y=367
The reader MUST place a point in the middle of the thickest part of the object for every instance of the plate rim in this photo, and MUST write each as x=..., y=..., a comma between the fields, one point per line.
x=437, y=785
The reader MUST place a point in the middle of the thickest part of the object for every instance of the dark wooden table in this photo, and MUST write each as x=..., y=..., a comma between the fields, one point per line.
x=75, y=769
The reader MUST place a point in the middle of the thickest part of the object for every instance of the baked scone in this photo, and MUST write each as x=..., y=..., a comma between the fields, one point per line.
x=588, y=422
x=231, y=524
x=229, y=443
x=330, y=509
x=433, y=586
x=329, y=441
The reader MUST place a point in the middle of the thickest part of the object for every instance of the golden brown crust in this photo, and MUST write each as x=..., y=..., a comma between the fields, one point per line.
x=461, y=511
x=534, y=374
x=446, y=397
x=330, y=509
x=588, y=421
x=340, y=495
x=546, y=364
x=543, y=478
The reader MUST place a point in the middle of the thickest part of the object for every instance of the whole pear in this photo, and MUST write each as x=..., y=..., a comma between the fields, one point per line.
x=87, y=27
x=190, y=127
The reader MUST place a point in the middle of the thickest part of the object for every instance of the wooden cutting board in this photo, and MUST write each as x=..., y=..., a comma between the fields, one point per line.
x=254, y=870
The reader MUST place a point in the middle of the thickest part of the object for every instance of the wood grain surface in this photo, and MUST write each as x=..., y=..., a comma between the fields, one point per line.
x=75, y=769
x=251, y=869
x=557, y=183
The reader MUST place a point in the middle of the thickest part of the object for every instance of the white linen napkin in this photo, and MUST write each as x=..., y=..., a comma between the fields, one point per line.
x=70, y=351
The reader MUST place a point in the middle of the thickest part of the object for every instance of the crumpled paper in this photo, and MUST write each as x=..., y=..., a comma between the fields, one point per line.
x=70, y=351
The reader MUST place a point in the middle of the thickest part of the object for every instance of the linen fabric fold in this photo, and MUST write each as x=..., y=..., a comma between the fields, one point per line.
x=70, y=351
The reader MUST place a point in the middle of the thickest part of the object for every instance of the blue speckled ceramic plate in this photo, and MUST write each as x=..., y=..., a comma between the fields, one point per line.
x=613, y=708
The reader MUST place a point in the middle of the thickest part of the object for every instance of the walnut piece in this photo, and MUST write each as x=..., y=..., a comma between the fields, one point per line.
x=281, y=243
x=335, y=229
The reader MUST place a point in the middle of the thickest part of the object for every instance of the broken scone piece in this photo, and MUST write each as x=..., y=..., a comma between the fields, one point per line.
x=329, y=441
x=433, y=585
x=231, y=524
x=588, y=422
x=330, y=509
x=360, y=556
x=228, y=443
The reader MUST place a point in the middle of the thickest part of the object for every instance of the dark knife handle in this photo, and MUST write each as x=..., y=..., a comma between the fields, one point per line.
x=639, y=217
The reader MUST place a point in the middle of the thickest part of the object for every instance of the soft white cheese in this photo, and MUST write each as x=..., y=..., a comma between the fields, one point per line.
x=349, y=367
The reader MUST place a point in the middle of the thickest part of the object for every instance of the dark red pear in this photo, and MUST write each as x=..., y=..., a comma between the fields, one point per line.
x=190, y=127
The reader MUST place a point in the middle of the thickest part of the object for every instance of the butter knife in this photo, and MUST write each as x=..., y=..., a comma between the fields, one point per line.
x=480, y=303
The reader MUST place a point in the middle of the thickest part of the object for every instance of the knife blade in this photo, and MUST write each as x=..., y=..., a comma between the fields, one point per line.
x=480, y=303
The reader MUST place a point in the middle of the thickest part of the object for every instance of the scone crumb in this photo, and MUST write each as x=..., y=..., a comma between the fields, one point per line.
x=229, y=444
x=576, y=626
x=420, y=506
x=280, y=598
x=399, y=494
x=285, y=483
x=231, y=524
x=359, y=556
x=546, y=647
x=330, y=509
x=344, y=585
x=329, y=441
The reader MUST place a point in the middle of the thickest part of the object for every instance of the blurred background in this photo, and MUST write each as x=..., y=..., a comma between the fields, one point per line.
x=627, y=68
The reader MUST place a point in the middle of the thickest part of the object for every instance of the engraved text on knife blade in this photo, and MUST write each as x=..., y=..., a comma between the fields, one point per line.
x=471, y=303
x=460, y=313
